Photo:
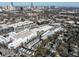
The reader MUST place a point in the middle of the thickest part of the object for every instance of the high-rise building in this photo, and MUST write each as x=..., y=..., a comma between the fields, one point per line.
x=32, y=5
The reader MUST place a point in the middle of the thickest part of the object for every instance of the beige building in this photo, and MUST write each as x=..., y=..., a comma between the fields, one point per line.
x=8, y=8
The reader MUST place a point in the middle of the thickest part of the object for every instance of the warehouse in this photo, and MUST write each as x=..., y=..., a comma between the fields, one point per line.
x=22, y=37
x=26, y=36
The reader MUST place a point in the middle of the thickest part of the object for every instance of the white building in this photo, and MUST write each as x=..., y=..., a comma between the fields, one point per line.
x=26, y=36
x=22, y=37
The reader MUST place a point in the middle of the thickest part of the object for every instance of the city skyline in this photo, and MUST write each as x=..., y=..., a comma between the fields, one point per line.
x=57, y=4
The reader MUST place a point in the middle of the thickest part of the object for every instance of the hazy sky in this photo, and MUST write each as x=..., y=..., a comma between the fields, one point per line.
x=67, y=4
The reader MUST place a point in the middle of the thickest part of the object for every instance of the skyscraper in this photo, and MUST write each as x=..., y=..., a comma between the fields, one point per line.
x=12, y=4
x=32, y=5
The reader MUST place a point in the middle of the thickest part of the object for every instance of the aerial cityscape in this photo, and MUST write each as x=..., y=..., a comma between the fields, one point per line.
x=39, y=29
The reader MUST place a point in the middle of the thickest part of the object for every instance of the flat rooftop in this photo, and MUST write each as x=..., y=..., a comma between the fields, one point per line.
x=22, y=34
x=15, y=24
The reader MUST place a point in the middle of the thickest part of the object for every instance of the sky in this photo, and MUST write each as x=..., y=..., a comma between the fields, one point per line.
x=65, y=4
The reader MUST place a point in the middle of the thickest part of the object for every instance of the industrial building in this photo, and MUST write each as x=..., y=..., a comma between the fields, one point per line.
x=38, y=31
